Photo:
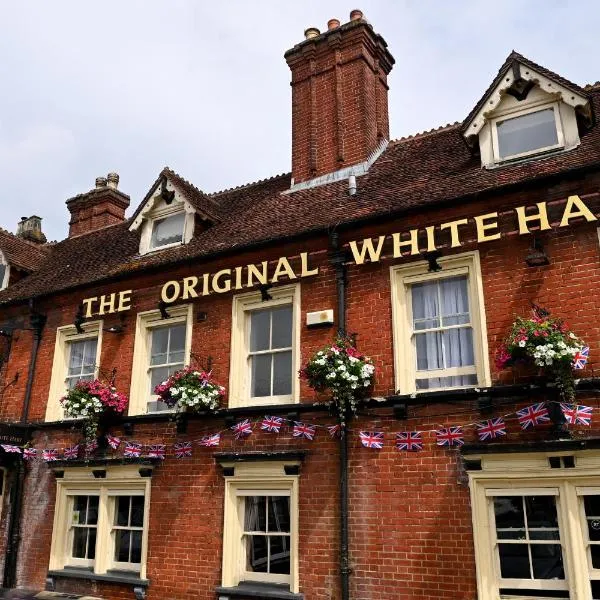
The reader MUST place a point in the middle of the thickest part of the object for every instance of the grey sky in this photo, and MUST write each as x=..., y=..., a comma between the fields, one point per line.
x=133, y=85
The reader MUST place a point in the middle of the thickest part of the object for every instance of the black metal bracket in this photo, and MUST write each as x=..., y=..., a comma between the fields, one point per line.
x=128, y=428
x=264, y=292
x=400, y=411
x=165, y=194
x=485, y=404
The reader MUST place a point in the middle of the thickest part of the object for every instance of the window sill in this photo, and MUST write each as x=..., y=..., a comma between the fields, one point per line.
x=257, y=590
x=109, y=576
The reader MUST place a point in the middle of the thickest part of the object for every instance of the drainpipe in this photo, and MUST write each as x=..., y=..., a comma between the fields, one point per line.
x=37, y=323
x=337, y=259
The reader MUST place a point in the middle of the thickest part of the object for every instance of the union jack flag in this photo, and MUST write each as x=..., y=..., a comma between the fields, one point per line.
x=91, y=446
x=157, y=451
x=183, y=449
x=304, y=430
x=581, y=358
x=29, y=453
x=493, y=428
x=450, y=436
x=242, y=429
x=372, y=439
x=113, y=442
x=335, y=430
x=132, y=450
x=533, y=415
x=577, y=414
x=272, y=424
x=72, y=452
x=211, y=440
x=409, y=440
x=50, y=455
x=11, y=448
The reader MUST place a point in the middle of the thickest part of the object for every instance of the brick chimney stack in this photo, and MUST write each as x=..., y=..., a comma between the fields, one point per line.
x=339, y=97
x=103, y=206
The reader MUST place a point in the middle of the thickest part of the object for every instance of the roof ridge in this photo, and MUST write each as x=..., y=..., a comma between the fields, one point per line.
x=591, y=86
x=183, y=180
x=420, y=134
x=245, y=185
x=40, y=247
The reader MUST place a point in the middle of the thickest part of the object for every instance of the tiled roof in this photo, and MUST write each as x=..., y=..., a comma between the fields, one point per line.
x=23, y=254
x=413, y=173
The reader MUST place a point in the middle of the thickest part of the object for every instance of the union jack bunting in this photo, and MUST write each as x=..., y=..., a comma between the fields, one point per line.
x=304, y=430
x=183, y=449
x=533, y=415
x=371, y=439
x=113, y=442
x=242, y=429
x=72, y=452
x=211, y=440
x=29, y=453
x=577, y=414
x=157, y=451
x=493, y=428
x=132, y=450
x=409, y=440
x=50, y=455
x=335, y=430
x=451, y=436
x=272, y=424
x=11, y=448
x=581, y=358
x=91, y=446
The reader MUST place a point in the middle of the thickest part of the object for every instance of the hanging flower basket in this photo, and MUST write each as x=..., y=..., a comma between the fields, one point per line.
x=189, y=390
x=546, y=343
x=342, y=371
x=93, y=401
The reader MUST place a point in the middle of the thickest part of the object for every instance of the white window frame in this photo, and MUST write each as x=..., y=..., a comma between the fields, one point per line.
x=140, y=376
x=79, y=481
x=239, y=375
x=60, y=363
x=505, y=116
x=405, y=363
x=530, y=474
x=4, y=281
x=175, y=208
x=257, y=478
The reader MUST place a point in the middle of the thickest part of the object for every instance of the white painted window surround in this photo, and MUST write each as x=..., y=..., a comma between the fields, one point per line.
x=4, y=272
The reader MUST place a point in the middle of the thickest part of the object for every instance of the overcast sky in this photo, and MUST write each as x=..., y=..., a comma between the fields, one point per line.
x=93, y=86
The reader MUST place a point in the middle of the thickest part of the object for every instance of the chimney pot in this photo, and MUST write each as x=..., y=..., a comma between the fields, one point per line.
x=333, y=24
x=311, y=32
x=30, y=228
x=113, y=180
x=356, y=14
x=100, y=182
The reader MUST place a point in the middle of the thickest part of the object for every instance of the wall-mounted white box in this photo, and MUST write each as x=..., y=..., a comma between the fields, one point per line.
x=320, y=317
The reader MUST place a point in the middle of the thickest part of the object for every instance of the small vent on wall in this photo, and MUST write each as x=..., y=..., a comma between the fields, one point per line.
x=561, y=462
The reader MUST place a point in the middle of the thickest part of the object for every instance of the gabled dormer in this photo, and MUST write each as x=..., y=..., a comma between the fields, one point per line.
x=527, y=112
x=172, y=211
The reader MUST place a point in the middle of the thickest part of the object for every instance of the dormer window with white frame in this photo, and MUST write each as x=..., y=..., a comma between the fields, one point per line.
x=4, y=272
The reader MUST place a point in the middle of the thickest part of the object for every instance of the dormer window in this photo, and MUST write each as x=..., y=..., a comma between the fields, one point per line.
x=531, y=132
x=4, y=272
x=167, y=231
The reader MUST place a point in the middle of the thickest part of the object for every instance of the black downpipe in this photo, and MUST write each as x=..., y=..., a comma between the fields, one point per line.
x=9, y=580
x=338, y=261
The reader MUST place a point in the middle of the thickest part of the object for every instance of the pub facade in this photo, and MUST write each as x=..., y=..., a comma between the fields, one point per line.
x=395, y=344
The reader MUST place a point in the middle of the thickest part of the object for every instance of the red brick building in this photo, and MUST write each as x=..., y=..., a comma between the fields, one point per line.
x=424, y=250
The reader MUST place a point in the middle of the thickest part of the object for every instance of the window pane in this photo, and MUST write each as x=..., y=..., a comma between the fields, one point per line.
x=541, y=512
x=255, y=513
x=455, y=301
x=160, y=346
x=137, y=511
x=595, y=551
x=167, y=231
x=92, y=515
x=592, y=506
x=595, y=590
x=429, y=351
x=122, y=537
x=280, y=555
x=547, y=561
x=260, y=330
x=526, y=133
x=177, y=341
x=279, y=513
x=508, y=511
x=136, y=547
x=122, y=511
x=261, y=375
x=79, y=542
x=425, y=305
x=91, y=544
x=458, y=346
x=80, y=510
x=158, y=376
x=2, y=273
x=257, y=554
x=76, y=357
x=514, y=561
x=89, y=355
x=282, y=373
x=282, y=327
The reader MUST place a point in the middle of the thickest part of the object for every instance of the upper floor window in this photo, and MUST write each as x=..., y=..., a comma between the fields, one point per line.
x=536, y=130
x=167, y=231
x=4, y=272
x=82, y=361
x=439, y=325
